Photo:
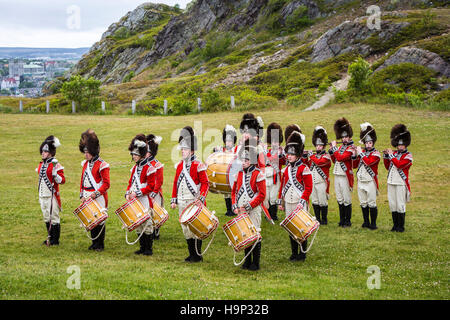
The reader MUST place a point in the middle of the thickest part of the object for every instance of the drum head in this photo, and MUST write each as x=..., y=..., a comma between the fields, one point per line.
x=233, y=170
x=188, y=213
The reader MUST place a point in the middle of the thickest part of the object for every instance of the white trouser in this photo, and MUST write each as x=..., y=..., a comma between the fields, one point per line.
x=319, y=194
x=147, y=226
x=271, y=192
x=367, y=193
x=255, y=217
x=342, y=189
x=398, y=195
x=45, y=203
x=182, y=204
x=290, y=207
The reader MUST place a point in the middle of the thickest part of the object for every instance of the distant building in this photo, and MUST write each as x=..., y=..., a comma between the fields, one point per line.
x=8, y=83
x=16, y=68
x=32, y=68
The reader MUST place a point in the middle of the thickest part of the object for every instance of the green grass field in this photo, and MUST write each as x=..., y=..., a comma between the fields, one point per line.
x=413, y=264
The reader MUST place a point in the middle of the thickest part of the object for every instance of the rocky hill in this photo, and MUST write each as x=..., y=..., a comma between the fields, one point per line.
x=262, y=51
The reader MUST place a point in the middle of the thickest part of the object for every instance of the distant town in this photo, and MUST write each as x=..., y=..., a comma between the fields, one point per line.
x=24, y=75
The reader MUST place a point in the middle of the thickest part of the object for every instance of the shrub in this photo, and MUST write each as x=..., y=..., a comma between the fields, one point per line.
x=298, y=19
x=359, y=71
x=85, y=92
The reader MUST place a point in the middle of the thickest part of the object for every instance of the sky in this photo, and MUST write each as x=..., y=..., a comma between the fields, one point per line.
x=62, y=23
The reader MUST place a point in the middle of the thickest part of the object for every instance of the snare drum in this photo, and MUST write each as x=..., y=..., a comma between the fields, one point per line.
x=241, y=232
x=90, y=214
x=221, y=169
x=159, y=215
x=133, y=214
x=300, y=224
x=199, y=220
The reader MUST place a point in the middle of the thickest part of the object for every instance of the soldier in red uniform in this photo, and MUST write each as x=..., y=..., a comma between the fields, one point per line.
x=140, y=185
x=190, y=184
x=319, y=164
x=343, y=173
x=252, y=127
x=248, y=193
x=367, y=175
x=94, y=183
x=398, y=164
x=296, y=187
x=275, y=160
x=156, y=194
x=51, y=175
x=229, y=138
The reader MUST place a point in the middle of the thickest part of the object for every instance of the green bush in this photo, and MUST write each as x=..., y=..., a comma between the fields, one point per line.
x=359, y=75
x=298, y=19
x=85, y=92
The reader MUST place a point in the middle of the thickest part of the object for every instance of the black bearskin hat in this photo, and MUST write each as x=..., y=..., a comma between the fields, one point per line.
x=274, y=131
x=249, y=151
x=153, y=143
x=400, y=135
x=249, y=124
x=343, y=128
x=291, y=128
x=229, y=132
x=138, y=146
x=295, y=144
x=319, y=136
x=89, y=142
x=367, y=133
x=187, y=138
x=49, y=145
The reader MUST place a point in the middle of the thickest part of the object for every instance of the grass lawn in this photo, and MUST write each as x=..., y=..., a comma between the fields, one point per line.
x=413, y=264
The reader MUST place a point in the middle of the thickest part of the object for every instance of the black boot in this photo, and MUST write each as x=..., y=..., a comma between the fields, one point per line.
x=294, y=249
x=94, y=234
x=148, y=244
x=47, y=226
x=190, y=243
x=302, y=255
x=141, y=245
x=341, y=215
x=401, y=221
x=256, y=257
x=100, y=246
x=394, y=221
x=273, y=210
x=197, y=248
x=248, y=260
x=365, y=213
x=316, y=208
x=348, y=216
x=229, y=212
x=54, y=234
x=373, y=218
x=324, y=212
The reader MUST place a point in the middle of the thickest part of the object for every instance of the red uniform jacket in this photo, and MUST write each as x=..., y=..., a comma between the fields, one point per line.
x=343, y=154
x=255, y=186
x=147, y=176
x=100, y=172
x=197, y=171
x=402, y=161
x=322, y=162
x=47, y=177
x=370, y=160
x=302, y=178
x=278, y=158
x=159, y=179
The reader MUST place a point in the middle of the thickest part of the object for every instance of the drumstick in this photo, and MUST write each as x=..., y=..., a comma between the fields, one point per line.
x=266, y=212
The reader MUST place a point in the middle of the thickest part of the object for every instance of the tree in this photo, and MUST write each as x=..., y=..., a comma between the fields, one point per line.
x=85, y=92
x=360, y=72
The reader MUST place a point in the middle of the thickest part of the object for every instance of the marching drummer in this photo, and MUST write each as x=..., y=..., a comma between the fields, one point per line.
x=275, y=159
x=51, y=175
x=157, y=194
x=229, y=138
x=190, y=184
x=252, y=127
x=249, y=191
x=95, y=182
x=140, y=185
x=296, y=187
x=398, y=164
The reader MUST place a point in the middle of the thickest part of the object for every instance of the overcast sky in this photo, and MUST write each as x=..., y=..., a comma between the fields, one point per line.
x=62, y=23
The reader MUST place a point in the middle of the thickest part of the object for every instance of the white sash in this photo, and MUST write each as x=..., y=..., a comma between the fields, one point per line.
x=292, y=182
x=189, y=179
x=94, y=183
x=138, y=179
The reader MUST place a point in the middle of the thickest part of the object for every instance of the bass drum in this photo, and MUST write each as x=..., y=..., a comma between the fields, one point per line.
x=222, y=170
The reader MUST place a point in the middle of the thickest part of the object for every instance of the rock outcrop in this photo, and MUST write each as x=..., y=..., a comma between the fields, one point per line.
x=418, y=56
